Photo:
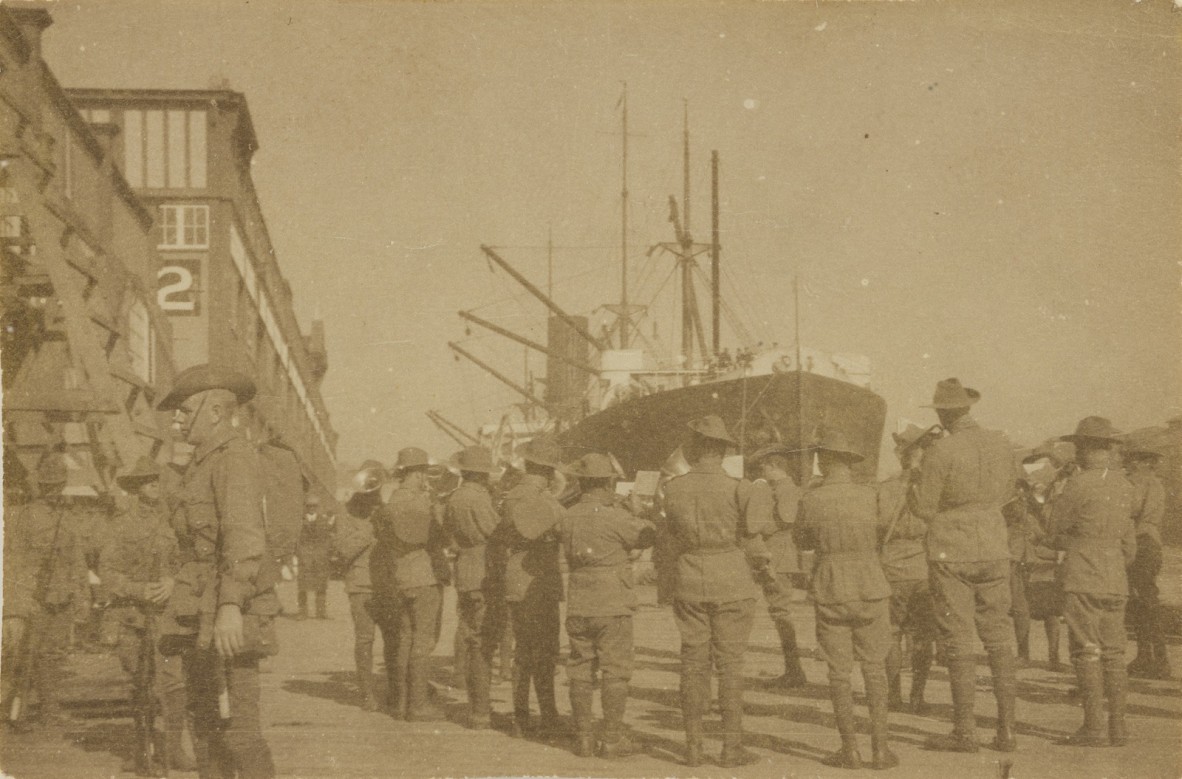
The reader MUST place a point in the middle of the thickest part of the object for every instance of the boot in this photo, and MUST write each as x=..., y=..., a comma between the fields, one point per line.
x=1051, y=625
x=396, y=692
x=1005, y=691
x=1140, y=667
x=580, y=706
x=173, y=714
x=695, y=689
x=363, y=662
x=616, y=741
x=793, y=672
x=1091, y=687
x=1115, y=684
x=730, y=701
x=551, y=723
x=843, y=712
x=921, y=664
x=459, y=677
x=894, y=676
x=1160, y=668
x=479, y=684
x=876, y=701
x=962, y=677
x=521, y=682
x=420, y=707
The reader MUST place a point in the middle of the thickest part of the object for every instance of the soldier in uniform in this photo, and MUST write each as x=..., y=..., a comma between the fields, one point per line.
x=44, y=573
x=533, y=583
x=408, y=571
x=354, y=539
x=850, y=594
x=137, y=567
x=779, y=487
x=597, y=537
x=1149, y=505
x=224, y=604
x=470, y=520
x=313, y=550
x=905, y=564
x=718, y=544
x=1092, y=523
x=964, y=480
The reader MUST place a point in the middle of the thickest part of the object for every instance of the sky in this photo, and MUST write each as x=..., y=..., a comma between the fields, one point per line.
x=986, y=190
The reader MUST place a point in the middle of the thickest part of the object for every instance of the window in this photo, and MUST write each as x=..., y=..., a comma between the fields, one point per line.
x=184, y=227
x=164, y=148
x=141, y=342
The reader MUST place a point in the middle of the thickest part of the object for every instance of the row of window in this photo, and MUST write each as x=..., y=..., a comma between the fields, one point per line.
x=161, y=149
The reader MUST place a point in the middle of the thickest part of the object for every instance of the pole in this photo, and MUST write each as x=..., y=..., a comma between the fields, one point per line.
x=503, y=378
x=445, y=431
x=801, y=444
x=533, y=290
x=527, y=342
x=715, y=251
x=624, y=226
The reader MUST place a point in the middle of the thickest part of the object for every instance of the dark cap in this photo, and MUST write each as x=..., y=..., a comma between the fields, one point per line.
x=835, y=442
x=1093, y=429
x=473, y=459
x=592, y=465
x=201, y=378
x=951, y=394
x=542, y=450
x=411, y=457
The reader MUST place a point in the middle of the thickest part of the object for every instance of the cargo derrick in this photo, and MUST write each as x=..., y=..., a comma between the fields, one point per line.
x=84, y=344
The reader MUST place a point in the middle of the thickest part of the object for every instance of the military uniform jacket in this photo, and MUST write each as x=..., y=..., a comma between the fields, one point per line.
x=1092, y=522
x=141, y=548
x=596, y=536
x=839, y=520
x=409, y=544
x=713, y=532
x=1022, y=528
x=222, y=540
x=964, y=481
x=783, y=499
x=528, y=537
x=470, y=520
x=903, y=555
x=37, y=571
x=354, y=539
x=1149, y=504
x=315, y=542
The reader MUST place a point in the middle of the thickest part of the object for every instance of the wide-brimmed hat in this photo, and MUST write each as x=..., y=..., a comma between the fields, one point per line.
x=675, y=464
x=1147, y=442
x=835, y=442
x=542, y=450
x=473, y=459
x=770, y=449
x=411, y=457
x=1093, y=429
x=951, y=394
x=914, y=435
x=369, y=477
x=200, y=378
x=145, y=470
x=51, y=468
x=712, y=426
x=592, y=465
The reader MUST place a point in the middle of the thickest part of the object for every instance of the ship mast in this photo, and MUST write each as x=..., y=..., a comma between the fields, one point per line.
x=626, y=317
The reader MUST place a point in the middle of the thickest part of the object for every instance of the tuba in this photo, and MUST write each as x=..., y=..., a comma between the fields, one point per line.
x=369, y=478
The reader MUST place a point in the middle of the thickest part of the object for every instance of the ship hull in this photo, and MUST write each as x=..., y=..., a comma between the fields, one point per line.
x=785, y=408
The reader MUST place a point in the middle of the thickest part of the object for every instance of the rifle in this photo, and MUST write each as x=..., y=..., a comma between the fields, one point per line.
x=145, y=703
x=34, y=633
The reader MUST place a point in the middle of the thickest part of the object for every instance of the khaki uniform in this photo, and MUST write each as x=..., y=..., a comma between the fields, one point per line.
x=964, y=480
x=220, y=532
x=712, y=534
x=1092, y=523
x=313, y=551
x=532, y=590
x=1149, y=506
x=784, y=498
x=470, y=520
x=408, y=573
x=353, y=540
x=44, y=576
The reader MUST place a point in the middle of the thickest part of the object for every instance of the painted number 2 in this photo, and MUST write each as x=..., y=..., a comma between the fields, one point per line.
x=178, y=293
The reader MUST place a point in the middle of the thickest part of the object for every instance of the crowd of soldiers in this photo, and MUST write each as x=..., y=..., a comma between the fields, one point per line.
x=964, y=544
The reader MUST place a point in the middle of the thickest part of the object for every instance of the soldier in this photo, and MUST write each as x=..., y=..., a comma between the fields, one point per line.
x=354, y=539
x=850, y=595
x=470, y=521
x=313, y=550
x=1092, y=523
x=905, y=564
x=137, y=567
x=1043, y=592
x=224, y=603
x=44, y=572
x=408, y=572
x=964, y=480
x=1149, y=505
x=718, y=544
x=779, y=487
x=597, y=537
x=533, y=583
